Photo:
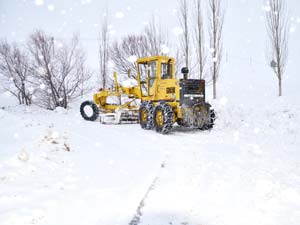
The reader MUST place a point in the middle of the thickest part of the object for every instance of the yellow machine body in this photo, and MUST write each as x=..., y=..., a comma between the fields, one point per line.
x=101, y=97
x=166, y=99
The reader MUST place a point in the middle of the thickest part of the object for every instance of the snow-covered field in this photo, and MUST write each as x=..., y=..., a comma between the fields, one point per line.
x=57, y=169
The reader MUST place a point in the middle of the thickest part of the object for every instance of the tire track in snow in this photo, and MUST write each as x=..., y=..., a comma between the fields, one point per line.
x=138, y=214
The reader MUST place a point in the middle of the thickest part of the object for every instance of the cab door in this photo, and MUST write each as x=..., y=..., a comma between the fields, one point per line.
x=152, y=75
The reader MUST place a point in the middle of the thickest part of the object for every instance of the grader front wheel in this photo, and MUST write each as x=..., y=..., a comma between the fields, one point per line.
x=89, y=110
x=163, y=118
x=146, y=115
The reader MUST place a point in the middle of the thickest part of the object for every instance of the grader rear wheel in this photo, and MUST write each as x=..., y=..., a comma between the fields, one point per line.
x=211, y=122
x=163, y=118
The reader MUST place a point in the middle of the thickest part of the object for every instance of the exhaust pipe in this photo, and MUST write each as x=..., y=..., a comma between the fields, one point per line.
x=185, y=72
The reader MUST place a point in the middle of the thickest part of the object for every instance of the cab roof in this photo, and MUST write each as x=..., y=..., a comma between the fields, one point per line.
x=154, y=58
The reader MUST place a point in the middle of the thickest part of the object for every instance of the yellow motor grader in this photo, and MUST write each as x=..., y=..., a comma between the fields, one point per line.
x=164, y=99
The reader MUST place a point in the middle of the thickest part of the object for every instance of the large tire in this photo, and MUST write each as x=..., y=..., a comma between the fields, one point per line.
x=146, y=115
x=94, y=108
x=211, y=123
x=212, y=115
x=163, y=118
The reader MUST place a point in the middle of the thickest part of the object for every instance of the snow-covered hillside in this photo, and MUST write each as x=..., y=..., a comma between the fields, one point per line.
x=56, y=168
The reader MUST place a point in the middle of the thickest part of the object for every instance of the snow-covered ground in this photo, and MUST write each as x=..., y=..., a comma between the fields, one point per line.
x=56, y=168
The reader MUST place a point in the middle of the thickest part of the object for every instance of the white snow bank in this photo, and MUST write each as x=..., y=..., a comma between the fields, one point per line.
x=244, y=171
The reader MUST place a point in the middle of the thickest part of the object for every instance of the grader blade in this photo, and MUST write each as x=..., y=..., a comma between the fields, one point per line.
x=120, y=117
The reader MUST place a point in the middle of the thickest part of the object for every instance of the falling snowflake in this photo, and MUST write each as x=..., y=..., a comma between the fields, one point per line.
x=165, y=49
x=119, y=15
x=83, y=2
x=292, y=29
x=51, y=7
x=112, y=32
x=59, y=45
x=132, y=58
x=16, y=135
x=42, y=86
x=39, y=2
x=298, y=20
x=266, y=8
x=174, y=12
x=31, y=90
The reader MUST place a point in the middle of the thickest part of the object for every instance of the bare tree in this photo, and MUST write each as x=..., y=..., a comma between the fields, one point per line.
x=179, y=62
x=156, y=38
x=183, y=19
x=124, y=53
x=199, y=38
x=216, y=21
x=15, y=71
x=277, y=29
x=72, y=71
x=104, y=51
x=61, y=71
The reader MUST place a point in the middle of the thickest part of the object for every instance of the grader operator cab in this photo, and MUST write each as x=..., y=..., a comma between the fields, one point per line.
x=164, y=99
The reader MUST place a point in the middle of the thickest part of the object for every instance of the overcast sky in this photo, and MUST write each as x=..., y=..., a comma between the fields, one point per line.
x=244, y=36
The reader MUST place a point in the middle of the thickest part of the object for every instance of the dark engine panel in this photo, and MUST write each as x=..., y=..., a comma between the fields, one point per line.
x=192, y=91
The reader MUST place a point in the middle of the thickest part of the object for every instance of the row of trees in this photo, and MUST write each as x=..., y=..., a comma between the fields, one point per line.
x=191, y=19
x=50, y=74
x=199, y=50
x=44, y=72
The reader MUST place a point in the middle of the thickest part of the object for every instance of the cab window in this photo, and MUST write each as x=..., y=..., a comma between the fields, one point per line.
x=152, y=73
x=166, y=71
x=143, y=68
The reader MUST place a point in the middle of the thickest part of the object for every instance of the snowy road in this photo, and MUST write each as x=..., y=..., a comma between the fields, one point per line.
x=245, y=171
